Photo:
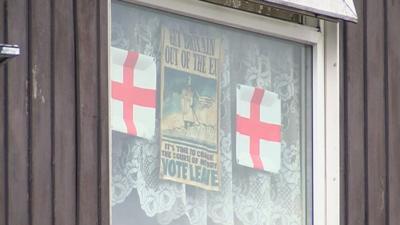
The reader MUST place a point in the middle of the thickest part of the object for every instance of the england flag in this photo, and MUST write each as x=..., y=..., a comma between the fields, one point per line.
x=133, y=93
x=258, y=129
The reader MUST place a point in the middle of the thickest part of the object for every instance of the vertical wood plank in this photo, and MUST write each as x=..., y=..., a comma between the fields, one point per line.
x=3, y=149
x=88, y=115
x=104, y=129
x=41, y=99
x=376, y=145
x=3, y=152
x=353, y=124
x=393, y=40
x=64, y=114
x=18, y=118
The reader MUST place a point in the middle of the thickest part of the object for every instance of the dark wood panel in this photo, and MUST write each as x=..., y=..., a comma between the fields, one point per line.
x=375, y=86
x=104, y=129
x=3, y=161
x=3, y=151
x=64, y=114
x=88, y=114
x=18, y=112
x=41, y=99
x=354, y=122
x=393, y=40
x=3, y=157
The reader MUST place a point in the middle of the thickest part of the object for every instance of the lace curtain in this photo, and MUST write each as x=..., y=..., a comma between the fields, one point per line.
x=247, y=196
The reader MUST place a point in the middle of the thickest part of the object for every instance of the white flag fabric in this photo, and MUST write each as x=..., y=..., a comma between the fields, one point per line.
x=258, y=129
x=133, y=93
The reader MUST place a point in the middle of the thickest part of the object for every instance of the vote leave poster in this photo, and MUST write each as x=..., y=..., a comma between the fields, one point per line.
x=189, y=109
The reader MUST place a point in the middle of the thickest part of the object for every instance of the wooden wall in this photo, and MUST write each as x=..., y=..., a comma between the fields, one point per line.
x=371, y=115
x=53, y=113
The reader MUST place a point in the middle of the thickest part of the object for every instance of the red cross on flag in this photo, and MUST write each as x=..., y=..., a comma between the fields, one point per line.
x=258, y=128
x=133, y=93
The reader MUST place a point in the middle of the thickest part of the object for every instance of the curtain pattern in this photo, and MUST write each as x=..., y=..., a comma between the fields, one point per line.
x=247, y=196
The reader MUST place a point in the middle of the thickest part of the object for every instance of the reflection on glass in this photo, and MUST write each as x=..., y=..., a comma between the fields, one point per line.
x=175, y=157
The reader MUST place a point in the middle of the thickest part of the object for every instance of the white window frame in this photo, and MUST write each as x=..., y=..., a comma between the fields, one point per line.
x=326, y=96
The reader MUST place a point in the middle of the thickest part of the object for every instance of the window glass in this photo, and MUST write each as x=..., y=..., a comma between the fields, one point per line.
x=210, y=124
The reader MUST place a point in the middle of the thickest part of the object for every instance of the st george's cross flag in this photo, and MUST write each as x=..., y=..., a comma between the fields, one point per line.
x=258, y=129
x=133, y=93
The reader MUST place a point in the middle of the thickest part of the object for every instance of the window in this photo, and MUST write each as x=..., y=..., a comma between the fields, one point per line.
x=217, y=117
